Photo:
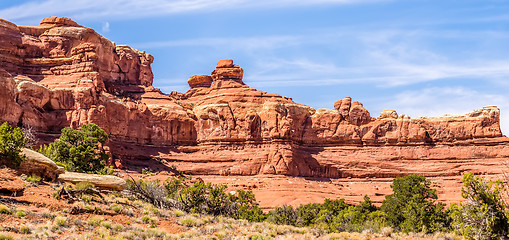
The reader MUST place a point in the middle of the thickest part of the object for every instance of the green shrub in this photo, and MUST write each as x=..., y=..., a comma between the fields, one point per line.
x=61, y=221
x=484, y=214
x=258, y=237
x=147, y=219
x=33, y=179
x=117, y=208
x=246, y=207
x=106, y=224
x=20, y=214
x=283, y=215
x=5, y=237
x=11, y=142
x=79, y=150
x=202, y=198
x=84, y=185
x=4, y=209
x=94, y=221
x=25, y=230
x=412, y=206
x=118, y=227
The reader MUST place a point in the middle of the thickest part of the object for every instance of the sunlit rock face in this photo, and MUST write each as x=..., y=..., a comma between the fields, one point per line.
x=61, y=74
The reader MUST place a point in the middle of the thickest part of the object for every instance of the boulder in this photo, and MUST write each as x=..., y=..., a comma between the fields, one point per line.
x=200, y=81
x=224, y=63
x=37, y=164
x=388, y=114
x=33, y=94
x=99, y=181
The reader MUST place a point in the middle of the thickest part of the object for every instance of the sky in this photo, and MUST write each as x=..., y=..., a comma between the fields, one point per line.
x=418, y=57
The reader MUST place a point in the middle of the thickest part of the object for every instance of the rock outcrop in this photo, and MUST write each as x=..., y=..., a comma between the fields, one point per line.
x=100, y=181
x=61, y=74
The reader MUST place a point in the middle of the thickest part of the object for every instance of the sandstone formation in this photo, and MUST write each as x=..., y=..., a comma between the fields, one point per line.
x=99, y=181
x=61, y=74
x=37, y=164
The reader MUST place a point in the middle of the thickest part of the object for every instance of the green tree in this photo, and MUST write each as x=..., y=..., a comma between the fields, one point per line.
x=484, y=214
x=412, y=207
x=79, y=150
x=11, y=142
x=283, y=215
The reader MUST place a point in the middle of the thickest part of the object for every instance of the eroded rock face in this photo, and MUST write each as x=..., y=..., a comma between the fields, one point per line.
x=61, y=74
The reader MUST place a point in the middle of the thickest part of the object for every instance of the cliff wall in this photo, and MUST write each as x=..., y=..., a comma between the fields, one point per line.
x=61, y=74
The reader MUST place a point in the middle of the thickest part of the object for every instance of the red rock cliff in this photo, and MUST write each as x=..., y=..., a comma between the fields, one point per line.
x=61, y=74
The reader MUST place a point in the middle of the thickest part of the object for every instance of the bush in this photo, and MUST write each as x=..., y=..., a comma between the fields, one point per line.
x=5, y=237
x=4, y=209
x=412, y=207
x=79, y=150
x=283, y=215
x=11, y=142
x=483, y=215
x=332, y=215
x=25, y=230
x=20, y=214
x=33, y=179
x=197, y=198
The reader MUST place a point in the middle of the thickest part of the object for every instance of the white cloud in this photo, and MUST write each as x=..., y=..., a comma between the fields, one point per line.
x=386, y=58
x=106, y=27
x=131, y=9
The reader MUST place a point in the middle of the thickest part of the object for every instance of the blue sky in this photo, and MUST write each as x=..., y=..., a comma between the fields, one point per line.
x=421, y=58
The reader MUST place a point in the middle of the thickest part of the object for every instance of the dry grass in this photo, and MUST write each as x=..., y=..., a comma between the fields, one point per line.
x=138, y=220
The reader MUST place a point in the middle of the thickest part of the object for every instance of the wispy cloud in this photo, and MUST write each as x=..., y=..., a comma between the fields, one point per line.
x=386, y=58
x=131, y=9
x=240, y=43
x=106, y=27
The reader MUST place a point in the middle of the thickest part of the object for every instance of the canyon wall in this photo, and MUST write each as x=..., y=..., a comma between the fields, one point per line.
x=61, y=74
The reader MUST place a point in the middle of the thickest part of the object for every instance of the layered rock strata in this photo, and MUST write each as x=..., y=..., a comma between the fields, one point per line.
x=61, y=74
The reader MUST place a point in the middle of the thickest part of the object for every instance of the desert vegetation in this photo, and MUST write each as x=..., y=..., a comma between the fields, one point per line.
x=411, y=209
x=80, y=150
x=194, y=209
x=11, y=142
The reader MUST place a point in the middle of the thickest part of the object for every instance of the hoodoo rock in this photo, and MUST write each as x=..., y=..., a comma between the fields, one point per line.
x=60, y=74
x=225, y=70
